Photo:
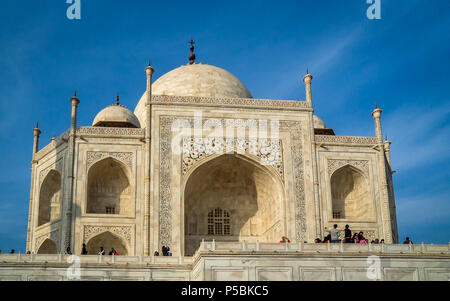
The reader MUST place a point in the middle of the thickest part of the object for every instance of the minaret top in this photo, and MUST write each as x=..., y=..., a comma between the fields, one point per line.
x=192, y=55
x=307, y=76
x=74, y=99
x=36, y=130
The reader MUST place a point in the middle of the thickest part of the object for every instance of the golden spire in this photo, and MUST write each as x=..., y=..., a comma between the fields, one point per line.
x=192, y=55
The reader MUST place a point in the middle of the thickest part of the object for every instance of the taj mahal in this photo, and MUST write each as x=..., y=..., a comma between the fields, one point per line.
x=220, y=177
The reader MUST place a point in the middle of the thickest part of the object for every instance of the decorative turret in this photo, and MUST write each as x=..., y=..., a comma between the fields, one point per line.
x=36, y=133
x=377, y=117
x=387, y=150
x=307, y=79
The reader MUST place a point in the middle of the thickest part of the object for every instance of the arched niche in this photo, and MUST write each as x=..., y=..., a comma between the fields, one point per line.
x=50, y=198
x=47, y=247
x=107, y=240
x=108, y=189
x=350, y=192
x=248, y=192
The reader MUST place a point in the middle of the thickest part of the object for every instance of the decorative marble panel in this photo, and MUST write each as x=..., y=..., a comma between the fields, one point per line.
x=196, y=149
x=346, y=139
x=110, y=131
x=334, y=165
x=125, y=157
x=248, y=102
x=165, y=198
x=125, y=232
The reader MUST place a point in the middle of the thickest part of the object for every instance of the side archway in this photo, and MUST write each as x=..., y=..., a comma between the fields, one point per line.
x=107, y=240
x=47, y=247
x=108, y=188
x=232, y=198
x=351, y=195
x=50, y=198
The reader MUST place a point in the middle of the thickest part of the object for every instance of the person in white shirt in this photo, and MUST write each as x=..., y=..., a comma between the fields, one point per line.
x=102, y=251
x=334, y=233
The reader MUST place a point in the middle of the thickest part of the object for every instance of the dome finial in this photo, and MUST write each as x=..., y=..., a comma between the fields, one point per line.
x=149, y=63
x=192, y=55
x=117, y=99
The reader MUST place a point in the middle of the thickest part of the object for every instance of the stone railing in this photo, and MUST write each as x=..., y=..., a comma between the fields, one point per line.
x=94, y=259
x=213, y=246
x=230, y=248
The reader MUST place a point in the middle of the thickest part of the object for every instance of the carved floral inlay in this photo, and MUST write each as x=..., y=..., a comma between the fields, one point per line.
x=268, y=152
x=110, y=131
x=125, y=157
x=125, y=232
x=346, y=139
x=334, y=165
x=248, y=102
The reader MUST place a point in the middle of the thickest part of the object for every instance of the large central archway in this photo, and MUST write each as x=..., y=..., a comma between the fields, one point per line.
x=232, y=198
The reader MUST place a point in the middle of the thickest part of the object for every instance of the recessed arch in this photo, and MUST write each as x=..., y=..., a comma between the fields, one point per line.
x=108, y=188
x=252, y=194
x=47, y=247
x=107, y=240
x=350, y=193
x=50, y=198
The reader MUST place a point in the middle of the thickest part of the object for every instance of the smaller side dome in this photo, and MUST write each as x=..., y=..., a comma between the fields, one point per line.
x=116, y=116
x=318, y=123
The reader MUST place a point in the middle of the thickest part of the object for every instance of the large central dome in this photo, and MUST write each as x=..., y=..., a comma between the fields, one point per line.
x=199, y=80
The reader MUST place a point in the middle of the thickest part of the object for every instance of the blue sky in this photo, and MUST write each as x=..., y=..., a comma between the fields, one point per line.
x=402, y=62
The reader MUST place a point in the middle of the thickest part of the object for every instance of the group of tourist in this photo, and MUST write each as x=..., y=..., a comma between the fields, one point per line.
x=85, y=252
x=165, y=251
x=357, y=238
x=333, y=237
x=112, y=252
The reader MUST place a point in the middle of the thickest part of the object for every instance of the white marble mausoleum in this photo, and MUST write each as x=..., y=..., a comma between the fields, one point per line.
x=218, y=176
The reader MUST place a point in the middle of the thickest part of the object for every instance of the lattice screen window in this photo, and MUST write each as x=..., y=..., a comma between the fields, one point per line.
x=337, y=214
x=219, y=222
x=110, y=210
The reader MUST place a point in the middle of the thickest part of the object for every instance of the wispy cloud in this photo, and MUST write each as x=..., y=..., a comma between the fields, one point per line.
x=419, y=134
x=411, y=209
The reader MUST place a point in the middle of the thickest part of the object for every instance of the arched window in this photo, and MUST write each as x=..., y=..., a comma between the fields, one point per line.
x=350, y=195
x=50, y=198
x=219, y=222
x=109, y=190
